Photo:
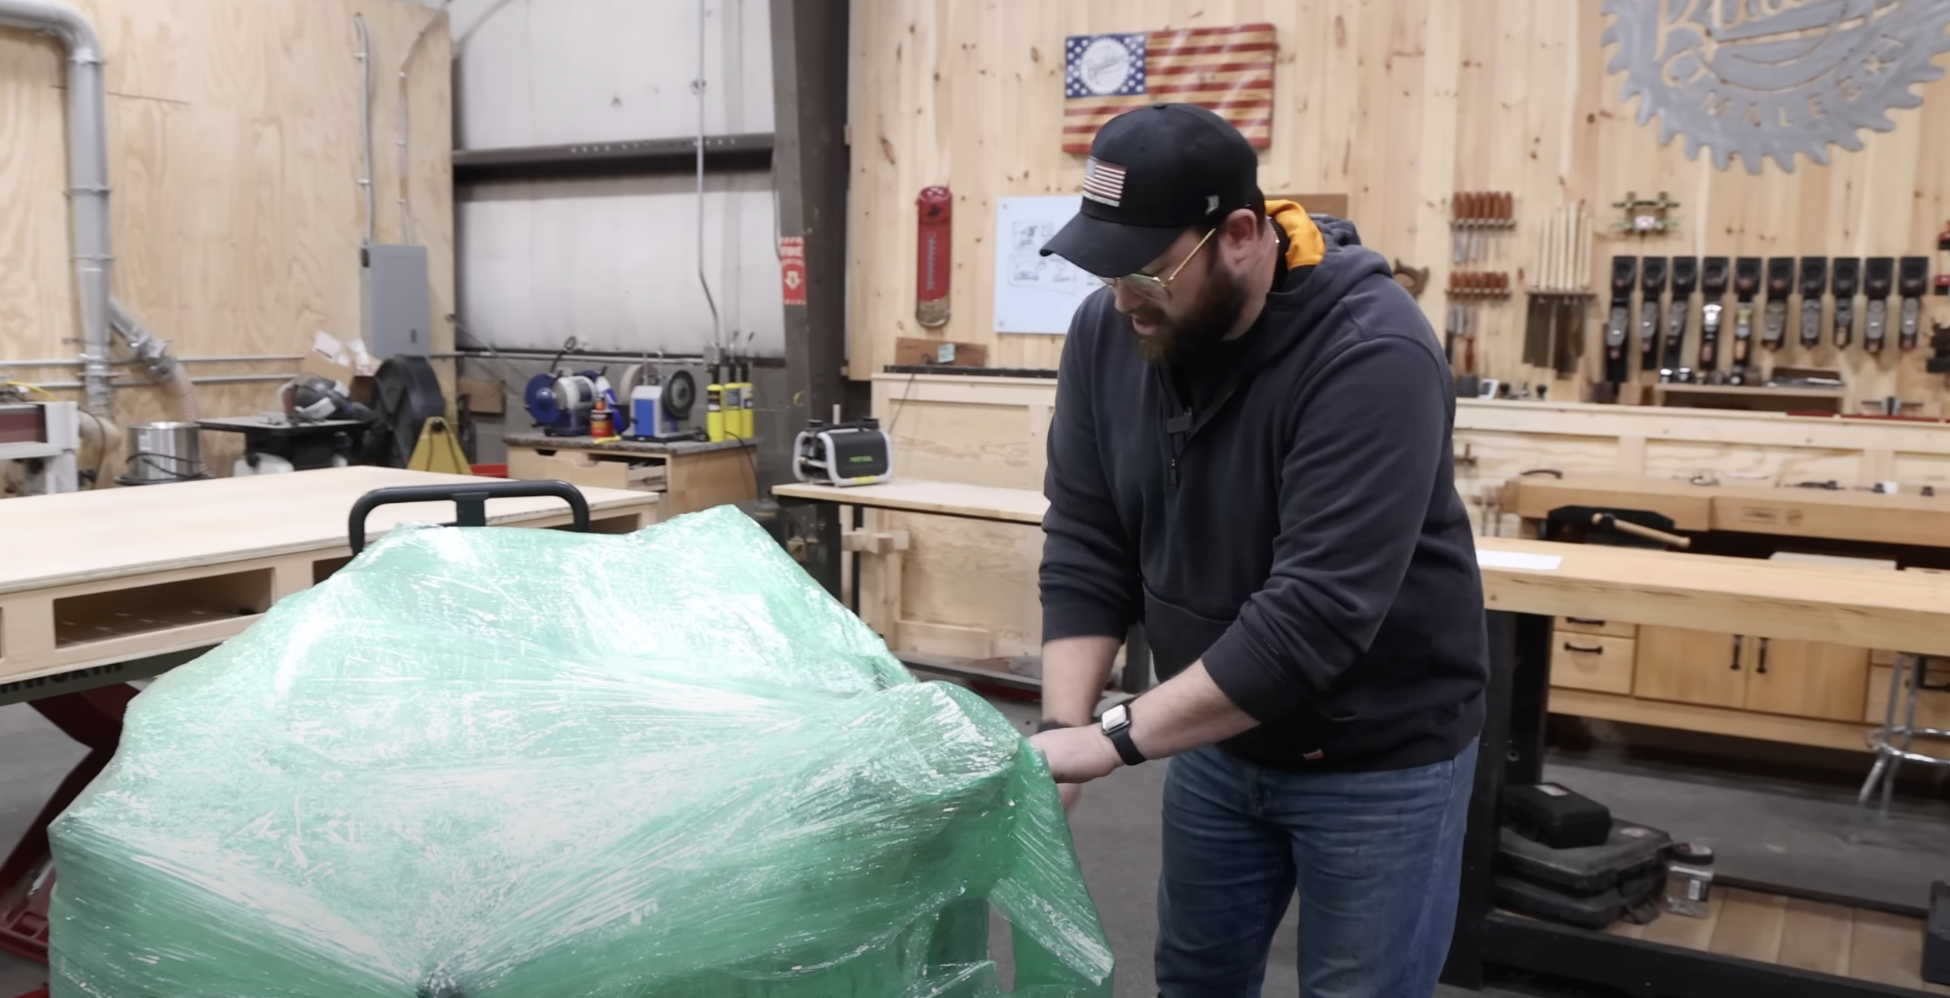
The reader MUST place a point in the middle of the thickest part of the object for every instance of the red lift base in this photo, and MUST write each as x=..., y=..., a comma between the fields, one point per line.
x=93, y=718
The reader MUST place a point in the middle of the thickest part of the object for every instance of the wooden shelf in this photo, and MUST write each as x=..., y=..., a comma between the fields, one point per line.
x=978, y=502
x=1842, y=735
x=1859, y=944
x=1749, y=507
x=1754, y=398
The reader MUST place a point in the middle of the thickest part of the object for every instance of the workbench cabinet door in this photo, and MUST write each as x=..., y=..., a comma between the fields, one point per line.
x=1807, y=679
x=1688, y=666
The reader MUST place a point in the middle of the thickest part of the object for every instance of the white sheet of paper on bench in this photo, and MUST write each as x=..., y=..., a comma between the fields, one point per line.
x=1519, y=560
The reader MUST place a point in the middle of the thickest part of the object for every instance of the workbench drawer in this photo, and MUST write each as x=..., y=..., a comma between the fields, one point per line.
x=1592, y=625
x=1592, y=662
x=602, y=471
x=1932, y=706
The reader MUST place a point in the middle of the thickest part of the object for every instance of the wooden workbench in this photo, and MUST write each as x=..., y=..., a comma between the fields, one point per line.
x=1812, y=602
x=93, y=578
x=690, y=475
x=1646, y=637
x=1711, y=676
x=1903, y=518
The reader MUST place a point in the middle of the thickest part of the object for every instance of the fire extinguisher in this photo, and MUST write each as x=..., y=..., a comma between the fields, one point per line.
x=931, y=285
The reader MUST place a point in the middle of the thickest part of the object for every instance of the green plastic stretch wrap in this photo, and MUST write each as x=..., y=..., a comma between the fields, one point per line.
x=517, y=763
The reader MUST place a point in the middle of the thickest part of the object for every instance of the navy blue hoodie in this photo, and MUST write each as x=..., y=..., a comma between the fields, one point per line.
x=1284, y=509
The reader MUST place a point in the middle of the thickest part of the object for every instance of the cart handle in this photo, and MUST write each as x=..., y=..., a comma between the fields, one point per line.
x=470, y=502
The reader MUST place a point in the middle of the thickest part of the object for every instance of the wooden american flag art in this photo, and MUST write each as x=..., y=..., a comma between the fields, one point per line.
x=1229, y=70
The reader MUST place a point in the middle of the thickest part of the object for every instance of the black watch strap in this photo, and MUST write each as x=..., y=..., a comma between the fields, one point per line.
x=1126, y=748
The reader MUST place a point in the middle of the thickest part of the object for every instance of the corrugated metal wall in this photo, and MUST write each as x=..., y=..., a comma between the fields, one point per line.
x=612, y=261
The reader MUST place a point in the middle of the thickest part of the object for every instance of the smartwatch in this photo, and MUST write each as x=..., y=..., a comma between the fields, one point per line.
x=1117, y=727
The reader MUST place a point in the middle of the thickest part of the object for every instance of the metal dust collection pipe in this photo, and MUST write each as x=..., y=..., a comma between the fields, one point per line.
x=88, y=196
x=88, y=189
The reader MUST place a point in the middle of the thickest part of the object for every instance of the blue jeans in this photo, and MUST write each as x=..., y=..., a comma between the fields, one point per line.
x=1376, y=858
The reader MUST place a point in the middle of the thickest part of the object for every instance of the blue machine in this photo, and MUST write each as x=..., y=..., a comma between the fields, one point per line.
x=660, y=408
x=560, y=403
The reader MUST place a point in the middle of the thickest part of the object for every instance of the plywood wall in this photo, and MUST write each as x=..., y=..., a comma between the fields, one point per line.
x=234, y=154
x=1397, y=103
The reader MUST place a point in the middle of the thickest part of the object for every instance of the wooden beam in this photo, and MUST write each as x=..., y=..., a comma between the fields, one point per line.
x=944, y=639
x=1690, y=507
x=890, y=390
x=978, y=502
x=1711, y=720
x=1702, y=425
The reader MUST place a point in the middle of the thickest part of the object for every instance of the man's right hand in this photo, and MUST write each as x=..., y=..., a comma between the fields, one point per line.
x=1070, y=793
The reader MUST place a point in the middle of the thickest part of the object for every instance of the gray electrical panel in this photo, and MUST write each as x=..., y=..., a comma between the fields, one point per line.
x=398, y=312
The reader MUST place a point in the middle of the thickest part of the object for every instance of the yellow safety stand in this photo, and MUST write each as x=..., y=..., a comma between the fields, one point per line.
x=439, y=450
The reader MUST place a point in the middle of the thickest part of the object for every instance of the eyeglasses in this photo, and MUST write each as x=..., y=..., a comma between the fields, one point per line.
x=1156, y=288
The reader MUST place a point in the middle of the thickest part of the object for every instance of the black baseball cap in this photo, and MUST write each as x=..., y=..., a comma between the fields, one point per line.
x=1152, y=173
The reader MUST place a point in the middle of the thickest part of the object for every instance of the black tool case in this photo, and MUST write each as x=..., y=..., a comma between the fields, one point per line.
x=1629, y=851
x=1589, y=886
x=1637, y=899
x=1555, y=816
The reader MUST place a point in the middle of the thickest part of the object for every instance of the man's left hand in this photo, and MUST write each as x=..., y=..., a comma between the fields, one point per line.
x=1077, y=755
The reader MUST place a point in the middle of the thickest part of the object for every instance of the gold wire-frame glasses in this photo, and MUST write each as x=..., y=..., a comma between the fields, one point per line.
x=1152, y=286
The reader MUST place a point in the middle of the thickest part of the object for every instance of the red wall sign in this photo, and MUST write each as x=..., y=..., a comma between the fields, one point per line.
x=792, y=269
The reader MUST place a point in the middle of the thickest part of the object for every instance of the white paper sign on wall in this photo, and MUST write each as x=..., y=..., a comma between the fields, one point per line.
x=1035, y=293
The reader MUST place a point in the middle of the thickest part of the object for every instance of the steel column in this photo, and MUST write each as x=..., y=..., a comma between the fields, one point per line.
x=809, y=157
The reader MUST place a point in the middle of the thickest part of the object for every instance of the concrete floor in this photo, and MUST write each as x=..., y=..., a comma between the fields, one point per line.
x=1764, y=828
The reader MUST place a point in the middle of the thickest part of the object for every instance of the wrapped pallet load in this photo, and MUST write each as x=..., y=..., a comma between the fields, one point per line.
x=530, y=763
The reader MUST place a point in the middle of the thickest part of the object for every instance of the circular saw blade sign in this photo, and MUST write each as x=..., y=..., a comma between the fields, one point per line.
x=1768, y=80
x=792, y=269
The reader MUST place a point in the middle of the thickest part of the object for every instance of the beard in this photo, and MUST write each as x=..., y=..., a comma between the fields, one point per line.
x=1183, y=340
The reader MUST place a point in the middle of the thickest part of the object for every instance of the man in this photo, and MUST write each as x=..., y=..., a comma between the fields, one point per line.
x=1251, y=457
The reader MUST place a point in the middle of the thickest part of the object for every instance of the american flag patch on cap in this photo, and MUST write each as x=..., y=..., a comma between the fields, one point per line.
x=1103, y=182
